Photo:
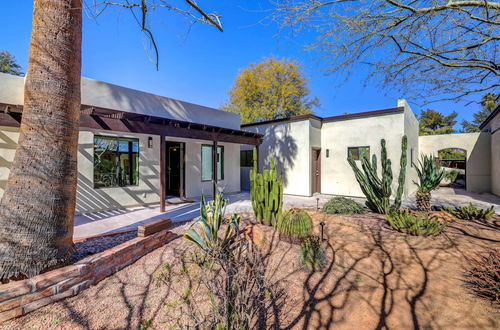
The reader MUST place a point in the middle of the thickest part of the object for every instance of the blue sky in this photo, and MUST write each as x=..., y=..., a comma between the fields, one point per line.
x=199, y=64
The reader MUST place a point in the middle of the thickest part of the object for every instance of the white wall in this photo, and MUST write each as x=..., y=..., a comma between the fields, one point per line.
x=147, y=192
x=495, y=155
x=336, y=136
x=411, y=132
x=478, y=147
x=289, y=143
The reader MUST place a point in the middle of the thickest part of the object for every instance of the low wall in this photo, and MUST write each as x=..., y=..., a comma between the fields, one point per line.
x=21, y=297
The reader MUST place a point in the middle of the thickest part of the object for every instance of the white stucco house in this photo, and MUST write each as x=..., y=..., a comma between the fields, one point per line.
x=137, y=148
x=311, y=152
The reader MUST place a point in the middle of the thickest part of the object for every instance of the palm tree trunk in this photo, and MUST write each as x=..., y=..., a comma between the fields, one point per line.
x=37, y=208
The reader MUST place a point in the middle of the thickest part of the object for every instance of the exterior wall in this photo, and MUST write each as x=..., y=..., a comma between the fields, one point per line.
x=494, y=126
x=336, y=136
x=289, y=143
x=411, y=132
x=478, y=147
x=147, y=192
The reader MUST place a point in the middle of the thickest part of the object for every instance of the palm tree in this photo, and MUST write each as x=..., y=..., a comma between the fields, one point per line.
x=430, y=175
x=38, y=205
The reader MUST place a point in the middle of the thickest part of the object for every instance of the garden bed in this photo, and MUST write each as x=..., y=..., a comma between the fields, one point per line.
x=374, y=278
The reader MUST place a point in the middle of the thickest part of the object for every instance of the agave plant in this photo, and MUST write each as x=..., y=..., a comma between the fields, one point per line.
x=430, y=175
x=206, y=236
x=471, y=212
x=420, y=224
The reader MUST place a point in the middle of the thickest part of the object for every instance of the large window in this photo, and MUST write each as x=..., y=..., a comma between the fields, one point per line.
x=357, y=152
x=207, y=162
x=116, y=162
x=246, y=158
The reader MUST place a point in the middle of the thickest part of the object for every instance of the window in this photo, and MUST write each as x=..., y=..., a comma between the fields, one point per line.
x=246, y=158
x=116, y=162
x=358, y=152
x=207, y=163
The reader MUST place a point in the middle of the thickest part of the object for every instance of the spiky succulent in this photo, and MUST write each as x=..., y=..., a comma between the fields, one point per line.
x=430, y=174
x=295, y=224
x=471, y=212
x=418, y=225
x=312, y=254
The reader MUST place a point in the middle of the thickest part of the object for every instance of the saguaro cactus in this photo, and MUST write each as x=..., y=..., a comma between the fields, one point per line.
x=266, y=193
x=378, y=191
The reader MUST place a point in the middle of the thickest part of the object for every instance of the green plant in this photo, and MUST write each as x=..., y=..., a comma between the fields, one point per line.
x=471, y=212
x=295, y=224
x=420, y=224
x=483, y=276
x=451, y=175
x=312, y=254
x=342, y=205
x=430, y=175
x=266, y=193
x=377, y=190
x=211, y=218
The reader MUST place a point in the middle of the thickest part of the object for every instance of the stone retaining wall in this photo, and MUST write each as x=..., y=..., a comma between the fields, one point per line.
x=21, y=297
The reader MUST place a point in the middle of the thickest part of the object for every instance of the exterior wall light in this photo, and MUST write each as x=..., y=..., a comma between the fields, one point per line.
x=327, y=153
x=150, y=142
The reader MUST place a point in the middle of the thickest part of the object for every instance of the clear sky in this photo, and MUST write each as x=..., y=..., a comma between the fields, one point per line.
x=199, y=64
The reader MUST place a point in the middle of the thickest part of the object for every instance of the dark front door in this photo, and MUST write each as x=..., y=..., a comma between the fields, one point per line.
x=174, y=168
x=316, y=171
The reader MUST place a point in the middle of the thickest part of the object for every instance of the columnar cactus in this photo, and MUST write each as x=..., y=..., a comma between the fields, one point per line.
x=378, y=191
x=266, y=193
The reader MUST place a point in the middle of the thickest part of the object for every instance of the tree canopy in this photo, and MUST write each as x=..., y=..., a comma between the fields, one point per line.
x=271, y=89
x=488, y=104
x=428, y=49
x=8, y=64
x=433, y=122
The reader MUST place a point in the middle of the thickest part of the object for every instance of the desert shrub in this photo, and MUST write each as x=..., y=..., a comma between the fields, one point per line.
x=451, y=175
x=342, y=205
x=295, y=225
x=470, y=212
x=483, y=276
x=312, y=254
x=418, y=225
x=216, y=292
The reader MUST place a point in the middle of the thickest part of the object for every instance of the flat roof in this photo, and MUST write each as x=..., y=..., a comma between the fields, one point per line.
x=490, y=117
x=331, y=118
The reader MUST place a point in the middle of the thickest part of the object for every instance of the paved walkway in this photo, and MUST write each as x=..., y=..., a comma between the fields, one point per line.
x=96, y=223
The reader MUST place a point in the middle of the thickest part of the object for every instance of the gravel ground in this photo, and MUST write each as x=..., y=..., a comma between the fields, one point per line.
x=100, y=244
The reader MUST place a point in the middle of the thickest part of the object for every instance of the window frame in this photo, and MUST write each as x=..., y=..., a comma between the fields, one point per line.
x=359, y=153
x=134, y=168
x=221, y=161
x=248, y=159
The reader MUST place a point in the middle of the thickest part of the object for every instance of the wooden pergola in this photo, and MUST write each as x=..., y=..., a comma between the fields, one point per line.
x=129, y=122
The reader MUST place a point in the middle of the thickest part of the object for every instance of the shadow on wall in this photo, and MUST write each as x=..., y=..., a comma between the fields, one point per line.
x=282, y=146
x=90, y=199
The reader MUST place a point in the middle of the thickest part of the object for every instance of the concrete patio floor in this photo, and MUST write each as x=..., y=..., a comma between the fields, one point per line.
x=96, y=223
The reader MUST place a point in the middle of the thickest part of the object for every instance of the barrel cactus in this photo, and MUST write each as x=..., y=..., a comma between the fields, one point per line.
x=295, y=225
x=266, y=193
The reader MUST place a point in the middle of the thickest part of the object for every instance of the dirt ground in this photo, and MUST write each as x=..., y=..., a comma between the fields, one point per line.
x=375, y=279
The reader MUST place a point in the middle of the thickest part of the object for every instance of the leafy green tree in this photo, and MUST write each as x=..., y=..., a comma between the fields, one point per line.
x=433, y=122
x=489, y=103
x=272, y=89
x=8, y=64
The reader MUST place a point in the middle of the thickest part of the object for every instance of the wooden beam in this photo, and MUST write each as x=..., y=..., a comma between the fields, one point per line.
x=163, y=172
x=201, y=132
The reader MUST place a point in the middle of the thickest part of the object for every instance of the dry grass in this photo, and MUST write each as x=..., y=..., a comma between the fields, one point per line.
x=374, y=278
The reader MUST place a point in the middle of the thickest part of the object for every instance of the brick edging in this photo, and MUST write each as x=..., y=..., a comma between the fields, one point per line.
x=21, y=297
